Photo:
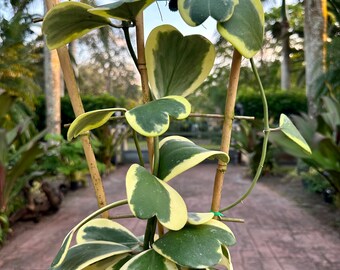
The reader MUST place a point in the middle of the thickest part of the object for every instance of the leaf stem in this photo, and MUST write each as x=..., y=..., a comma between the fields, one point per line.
x=264, y=145
x=149, y=232
x=156, y=156
x=139, y=151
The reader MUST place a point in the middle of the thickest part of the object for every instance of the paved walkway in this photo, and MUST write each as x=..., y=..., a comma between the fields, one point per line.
x=277, y=234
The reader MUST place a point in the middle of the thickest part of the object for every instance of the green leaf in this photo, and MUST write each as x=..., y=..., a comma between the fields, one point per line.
x=153, y=119
x=122, y=10
x=112, y=263
x=68, y=21
x=196, y=246
x=177, y=65
x=90, y=120
x=195, y=12
x=288, y=128
x=199, y=218
x=101, y=229
x=245, y=28
x=80, y=256
x=6, y=101
x=148, y=196
x=327, y=155
x=178, y=154
x=149, y=260
x=288, y=145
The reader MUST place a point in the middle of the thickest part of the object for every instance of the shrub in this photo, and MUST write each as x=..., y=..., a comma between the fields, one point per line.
x=278, y=102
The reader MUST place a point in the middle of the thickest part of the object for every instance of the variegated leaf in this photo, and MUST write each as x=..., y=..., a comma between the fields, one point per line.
x=226, y=259
x=80, y=256
x=148, y=197
x=195, y=12
x=149, y=260
x=90, y=120
x=126, y=10
x=153, y=119
x=244, y=30
x=196, y=246
x=61, y=255
x=177, y=65
x=199, y=218
x=288, y=128
x=101, y=229
x=68, y=21
x=63, y=251
x=112, y=263
x=178, y=154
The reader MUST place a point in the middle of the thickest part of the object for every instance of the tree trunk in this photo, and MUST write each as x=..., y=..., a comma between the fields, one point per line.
x=315, y=50
x=285, y=62
x=53, y=85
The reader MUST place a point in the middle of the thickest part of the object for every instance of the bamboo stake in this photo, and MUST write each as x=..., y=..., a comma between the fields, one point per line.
x=227, y=128
x=78, y=109
x=143, y=73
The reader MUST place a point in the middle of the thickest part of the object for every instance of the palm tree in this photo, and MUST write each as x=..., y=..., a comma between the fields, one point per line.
x=53, y=86
x=315, y=33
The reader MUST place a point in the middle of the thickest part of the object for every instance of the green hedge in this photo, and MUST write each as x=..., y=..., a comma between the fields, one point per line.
x=90, y=103
x=287, y=102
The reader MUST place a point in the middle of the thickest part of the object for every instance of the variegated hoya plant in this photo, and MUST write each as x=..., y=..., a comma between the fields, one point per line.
x=176, y=66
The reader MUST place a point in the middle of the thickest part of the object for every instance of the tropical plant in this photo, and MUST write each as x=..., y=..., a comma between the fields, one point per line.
x=175, y=66
x=20, y=146
x=323, y=137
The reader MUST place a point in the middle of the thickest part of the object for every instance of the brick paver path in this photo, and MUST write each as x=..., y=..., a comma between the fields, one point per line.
x=277, y=234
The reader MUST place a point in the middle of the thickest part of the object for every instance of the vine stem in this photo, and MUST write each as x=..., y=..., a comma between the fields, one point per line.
x=227, y=128
x=78, y=109
x=141, y=64
x=139, y=151
x=128, y=43
x=266, y=131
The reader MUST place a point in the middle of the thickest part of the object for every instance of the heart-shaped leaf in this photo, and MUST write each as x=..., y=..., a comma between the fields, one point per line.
x=112, y=263
x=178, y=154
x=126, y=10
x=149, y=259
x=244, y=30
x=195, y=12
x=68, y=21
x=153, y=119
x=196, y=246
x=288, y=128
x=80, y=256
x=177, y=65
x=90, y=120
x=101, y=229
x=148, y=196
x=199, y=218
